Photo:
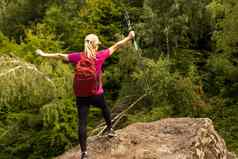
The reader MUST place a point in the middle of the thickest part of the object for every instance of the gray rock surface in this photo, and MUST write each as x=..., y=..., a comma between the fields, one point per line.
x=172, y=138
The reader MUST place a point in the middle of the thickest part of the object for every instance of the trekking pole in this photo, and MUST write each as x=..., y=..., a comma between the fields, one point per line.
x=129, y=25
x=127, y=18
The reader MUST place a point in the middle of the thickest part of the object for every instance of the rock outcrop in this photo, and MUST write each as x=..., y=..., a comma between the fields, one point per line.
x=172, y=138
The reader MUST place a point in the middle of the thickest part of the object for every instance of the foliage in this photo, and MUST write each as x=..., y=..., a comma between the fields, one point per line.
x=174, y=24
x=221, y=70
x=32, y=116
x=28, y=11
x=169, y=94
x=75, y=23
x=186, y=66
x=20, y=82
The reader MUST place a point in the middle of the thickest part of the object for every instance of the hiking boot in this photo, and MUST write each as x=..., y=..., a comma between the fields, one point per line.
x=110, y=132
x=84, y=155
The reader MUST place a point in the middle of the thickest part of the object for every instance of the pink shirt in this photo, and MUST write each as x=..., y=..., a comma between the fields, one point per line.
x=101, y=56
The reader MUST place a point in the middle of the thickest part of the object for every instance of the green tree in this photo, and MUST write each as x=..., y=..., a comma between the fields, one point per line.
x=16, y=14
x=174, y=24
x=221, y=75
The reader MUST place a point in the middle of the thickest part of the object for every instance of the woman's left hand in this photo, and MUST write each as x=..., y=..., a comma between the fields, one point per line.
x=40, y=52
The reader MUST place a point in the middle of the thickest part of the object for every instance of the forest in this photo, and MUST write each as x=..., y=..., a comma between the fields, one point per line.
x=186, y=65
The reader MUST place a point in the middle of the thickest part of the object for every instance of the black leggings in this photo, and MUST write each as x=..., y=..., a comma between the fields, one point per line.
x=83, y=104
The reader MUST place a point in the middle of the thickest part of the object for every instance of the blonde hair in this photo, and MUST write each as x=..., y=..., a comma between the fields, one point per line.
x=90, y=45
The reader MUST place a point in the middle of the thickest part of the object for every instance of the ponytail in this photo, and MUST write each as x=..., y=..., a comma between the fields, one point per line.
x=90, y=45
x=89, y=49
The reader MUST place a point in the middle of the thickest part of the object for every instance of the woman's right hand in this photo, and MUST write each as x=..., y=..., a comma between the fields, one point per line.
x=131, y=35
x=39, y=52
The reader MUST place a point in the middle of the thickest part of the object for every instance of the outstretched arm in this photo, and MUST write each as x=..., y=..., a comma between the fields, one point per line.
x=53, y=55
x=121, y=43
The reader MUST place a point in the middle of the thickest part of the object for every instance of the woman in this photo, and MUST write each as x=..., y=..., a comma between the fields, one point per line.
x=91, y=44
